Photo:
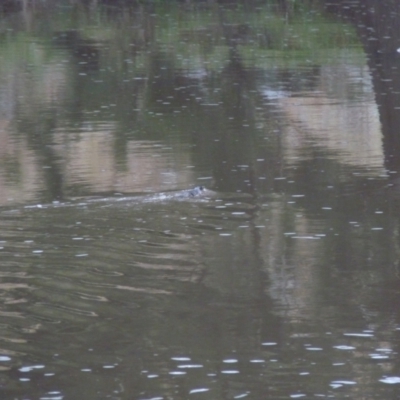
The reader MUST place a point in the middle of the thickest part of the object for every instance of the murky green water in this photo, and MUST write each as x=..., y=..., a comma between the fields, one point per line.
x=284, y=282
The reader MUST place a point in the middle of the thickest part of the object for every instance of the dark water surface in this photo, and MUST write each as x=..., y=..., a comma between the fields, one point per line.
x=282, y=283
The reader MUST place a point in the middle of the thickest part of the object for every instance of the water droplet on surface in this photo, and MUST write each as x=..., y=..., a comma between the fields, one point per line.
x=190, y=366
x=344, y=347
x=314, y=348
x=359, y=334
x=180, y=358
x=200, y=390
x=391, y=380
x=343, y=383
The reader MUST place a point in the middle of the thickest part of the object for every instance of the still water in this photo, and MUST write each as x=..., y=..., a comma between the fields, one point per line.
x=282, y=282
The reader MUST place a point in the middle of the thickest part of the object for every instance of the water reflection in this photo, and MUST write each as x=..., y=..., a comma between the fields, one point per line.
x=344, y=123
x=284, y=283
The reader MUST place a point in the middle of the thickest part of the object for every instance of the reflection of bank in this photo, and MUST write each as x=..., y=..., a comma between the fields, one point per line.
x=335, y=123
x=290, y=258
x=91, y=162
x=341, y=116
x=19, y=176
x=378, y=32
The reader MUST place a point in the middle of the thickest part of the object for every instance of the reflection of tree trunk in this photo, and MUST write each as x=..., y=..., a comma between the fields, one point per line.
x=53, y=175
x=236, y=148
x=377, y=25
x=49, y=161
x=387, y=91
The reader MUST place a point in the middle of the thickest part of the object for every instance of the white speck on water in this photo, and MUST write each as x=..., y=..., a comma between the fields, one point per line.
x=200, y=390
x=31, y=368
x=377, y=356
x=241, y=396
x=314, y=348
x=344, y=347
x=306, y=237
x=391, y=380
x=359, y=334
x=156, y=398
x=337, y=384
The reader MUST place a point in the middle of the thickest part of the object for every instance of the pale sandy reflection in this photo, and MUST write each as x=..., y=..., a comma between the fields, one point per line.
x=293, y=274
x=20, y=174
x=90, y=160
x=88, y=156
x=148, y=166
x=340, y=115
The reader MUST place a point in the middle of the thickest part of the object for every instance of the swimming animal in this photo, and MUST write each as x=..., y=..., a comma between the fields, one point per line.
x=196, y=192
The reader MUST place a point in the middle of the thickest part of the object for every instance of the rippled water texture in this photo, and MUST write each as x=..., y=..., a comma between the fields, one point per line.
x=280, y=280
